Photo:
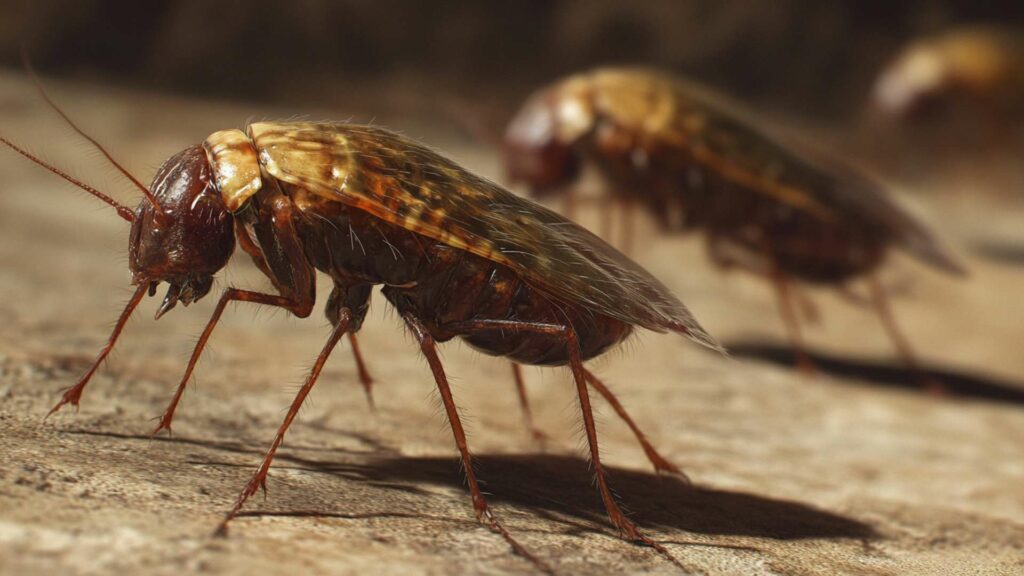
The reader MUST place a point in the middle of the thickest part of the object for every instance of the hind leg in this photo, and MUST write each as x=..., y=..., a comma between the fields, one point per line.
x=903, y=348
x=625, y=526
x=661, y=464
x=480, y=506
x=787, y=310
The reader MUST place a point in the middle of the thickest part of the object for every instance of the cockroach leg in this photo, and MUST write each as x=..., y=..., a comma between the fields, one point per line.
x=885, y=313
x=254, y=251
x=784, y=299
x=298, y=307
x=364, y=374
x=625, y=527
x=808, y=310
x=259, y=478
x=661, y=464
x=524, y=402
x=480, y=506
x=74, y=394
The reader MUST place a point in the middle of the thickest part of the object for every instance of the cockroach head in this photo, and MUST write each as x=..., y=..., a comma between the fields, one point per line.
x=536, y=150
x=186, y=235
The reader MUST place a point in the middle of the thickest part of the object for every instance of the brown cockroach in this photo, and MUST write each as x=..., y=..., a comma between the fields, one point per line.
x=698, y=162
x=457, y=255
x=980, y=68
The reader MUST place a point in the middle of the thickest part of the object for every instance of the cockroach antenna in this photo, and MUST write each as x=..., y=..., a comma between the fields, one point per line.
x=122, y=210
x=49, y=101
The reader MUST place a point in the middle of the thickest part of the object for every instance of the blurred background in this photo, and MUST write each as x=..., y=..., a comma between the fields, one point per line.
x=846, y=68
x=926, y=94
x=815, y=57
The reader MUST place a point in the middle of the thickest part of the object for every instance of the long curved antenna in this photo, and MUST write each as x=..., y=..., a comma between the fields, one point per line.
x=122, y=210
x=46, y=97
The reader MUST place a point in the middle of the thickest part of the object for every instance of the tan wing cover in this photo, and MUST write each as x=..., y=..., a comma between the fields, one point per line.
x=236, y=168
x=405, y=183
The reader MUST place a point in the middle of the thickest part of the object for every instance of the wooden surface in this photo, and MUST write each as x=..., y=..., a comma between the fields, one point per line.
x=856, y=473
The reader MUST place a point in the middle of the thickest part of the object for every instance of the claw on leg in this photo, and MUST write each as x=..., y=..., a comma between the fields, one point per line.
x=74, y=394
x=259, y=478
x=480, y=506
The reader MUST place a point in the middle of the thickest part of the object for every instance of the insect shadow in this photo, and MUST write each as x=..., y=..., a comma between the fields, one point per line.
x=551, y=486
x=1003, y=252
x=885, y=374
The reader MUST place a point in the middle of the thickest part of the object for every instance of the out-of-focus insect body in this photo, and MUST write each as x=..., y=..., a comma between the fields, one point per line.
x=696, y=161
x=458, y=257
x=978, y=69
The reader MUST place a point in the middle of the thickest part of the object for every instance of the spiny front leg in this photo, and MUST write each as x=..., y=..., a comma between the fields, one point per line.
x=259, y=478
x=280, y=255
x=298, y=307
x=74, y=394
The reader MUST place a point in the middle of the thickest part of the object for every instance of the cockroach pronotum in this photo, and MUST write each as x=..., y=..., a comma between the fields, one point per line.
x=457, y=255
x=698, y=162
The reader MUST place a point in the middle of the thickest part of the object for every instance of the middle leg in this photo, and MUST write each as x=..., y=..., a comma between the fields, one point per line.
x=259, y=477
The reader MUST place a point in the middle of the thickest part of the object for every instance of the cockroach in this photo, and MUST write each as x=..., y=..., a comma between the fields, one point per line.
x=696, y=161
x=457, y=256
x=979, y=68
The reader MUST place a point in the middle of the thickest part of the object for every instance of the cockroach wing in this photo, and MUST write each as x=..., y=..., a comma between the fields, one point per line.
x=783, y=166
x=853, y=192
x=409, y=185
x=741, y=147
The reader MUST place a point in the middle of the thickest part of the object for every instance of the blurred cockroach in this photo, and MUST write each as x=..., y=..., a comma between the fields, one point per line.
x=950, y=106
x=976, y=68
x=457, y=255
x=696, y=161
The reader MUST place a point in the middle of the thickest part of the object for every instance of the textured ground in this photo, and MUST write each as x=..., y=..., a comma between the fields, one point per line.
x=853, y=473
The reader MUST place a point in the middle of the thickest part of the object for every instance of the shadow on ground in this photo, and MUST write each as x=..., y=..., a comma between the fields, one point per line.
x=885, y=374
x=1006, y=253
x=560, y=488
x=556, y=487
x=563, y=485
